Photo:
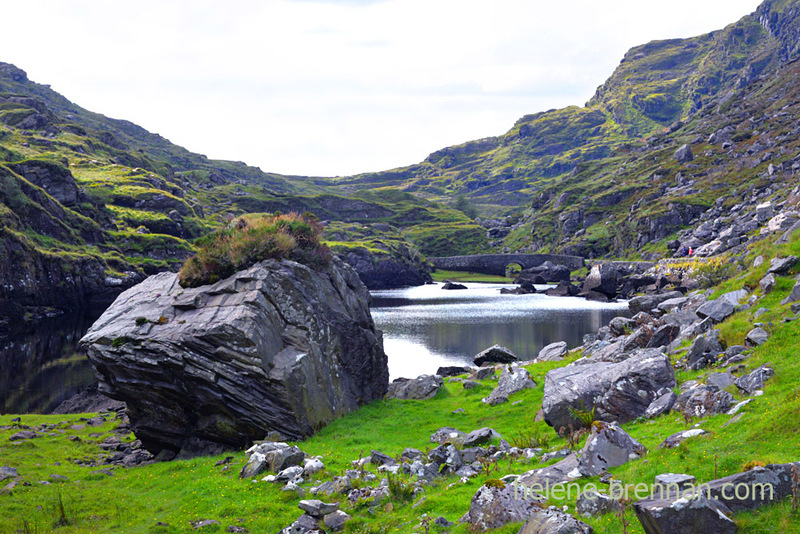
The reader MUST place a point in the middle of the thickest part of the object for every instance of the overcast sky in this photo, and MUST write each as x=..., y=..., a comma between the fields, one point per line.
x=335, y=87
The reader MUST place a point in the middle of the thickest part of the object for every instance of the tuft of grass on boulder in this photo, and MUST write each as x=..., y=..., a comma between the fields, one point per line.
x=250, y=239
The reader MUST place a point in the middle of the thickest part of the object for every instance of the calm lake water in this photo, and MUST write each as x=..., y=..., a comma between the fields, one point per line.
x=423, y=328
x=427, y=327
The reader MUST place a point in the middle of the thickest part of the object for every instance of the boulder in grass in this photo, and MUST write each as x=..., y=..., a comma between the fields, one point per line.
x=608, y=446
x=421, y=388
x=495, y=354
x=496, y=504
x=553, y=352
x=684, y=516
x=554, y=521
x=512, y=380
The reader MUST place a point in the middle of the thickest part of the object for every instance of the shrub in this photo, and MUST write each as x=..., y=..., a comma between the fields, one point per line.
x=713, y=272
x=250, y=239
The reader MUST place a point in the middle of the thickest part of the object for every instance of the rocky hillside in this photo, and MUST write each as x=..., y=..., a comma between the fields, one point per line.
x=89, y=205
x=602, y=180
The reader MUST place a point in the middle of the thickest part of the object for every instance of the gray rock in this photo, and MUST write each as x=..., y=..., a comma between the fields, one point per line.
x=290, y=474
x=317, y=508
x=618, y=391
x=794, y=295
x=378, y=458
x=450, y=286
x=485, y=372
x=512, y=380
x=670, y=304
x=305, y=524
x=238, y=358
x=764, y=212
x=608, y=446
x=564, y=471
x=717, y=310
x=679, y=437
x=23, y=435
x=481, y=436
x=621, y=326
x=492, y=506
x=734, y=297
x=704, y=350
x=553, y=352
x=702, y=401
x=661, y=405
x=674, y=481
x=410, y=454
x=756, y=337
x=445, y=372
x=447, y=457
x=602, y=278
x=646, y=303
x=447, y=434
x=767, y=284
x=271, y=456
x=664, y=335
x=782, y=266
x=594, y=504
x=767, y=485
x=495, y=354
x=720, y=381
x=421, y=388
x=682, y=516
x=335, y=521
x=684, y=154
x=7, y=472
x=754, y=381
x=554, y=521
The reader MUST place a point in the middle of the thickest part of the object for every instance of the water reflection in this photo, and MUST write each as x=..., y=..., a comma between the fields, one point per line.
x=426, y=327
x=41, y=365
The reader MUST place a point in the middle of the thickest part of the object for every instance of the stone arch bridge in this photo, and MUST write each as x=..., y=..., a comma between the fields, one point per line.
x=496, y=263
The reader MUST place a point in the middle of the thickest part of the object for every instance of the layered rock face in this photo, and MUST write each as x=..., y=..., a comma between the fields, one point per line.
x=277, y=347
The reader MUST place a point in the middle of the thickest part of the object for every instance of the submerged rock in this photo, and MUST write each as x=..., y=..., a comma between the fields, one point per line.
x=278, y=347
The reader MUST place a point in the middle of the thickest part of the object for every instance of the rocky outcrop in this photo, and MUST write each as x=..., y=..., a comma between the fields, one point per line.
x=387, y=271
x=618, y=391
x=278, y=347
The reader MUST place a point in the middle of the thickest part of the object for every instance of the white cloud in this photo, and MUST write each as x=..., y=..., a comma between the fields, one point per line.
x=336, y=87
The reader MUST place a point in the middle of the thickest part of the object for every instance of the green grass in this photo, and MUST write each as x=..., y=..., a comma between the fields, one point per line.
x=462, y=276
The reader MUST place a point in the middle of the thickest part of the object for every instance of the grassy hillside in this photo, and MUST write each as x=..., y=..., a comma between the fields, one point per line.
x=167, y=497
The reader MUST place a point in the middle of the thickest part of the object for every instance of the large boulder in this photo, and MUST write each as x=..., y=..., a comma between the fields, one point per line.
x=553, y=352
x=602, y=278
x=645, y=303
x=278, y=347
x=717, y=310
x=618, y=391
x=684, y=154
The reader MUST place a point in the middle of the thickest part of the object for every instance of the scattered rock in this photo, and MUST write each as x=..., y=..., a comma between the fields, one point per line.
x=756, y=337
x=317, y=508
x=554, y=521
x=481, y=436
x=445, y=372
x=794, y=295
x=203, y=523
x=664, y=335
x=676, y=439
x=608, y=446
x=495, y=354
x=781, y=266
x=553, y=352
x=421, y=388
x=593, y=504
x=271, y=456
x=718, y=310
x=496, y=504
x=661, y=405
x=754, y=381
x=703, y=400
x=684, y=154
x=512, y=380
x=704, y=350
x=22, y=435
x=673, y=480
x=7, y=472
x=336, y=520
x=767, y=284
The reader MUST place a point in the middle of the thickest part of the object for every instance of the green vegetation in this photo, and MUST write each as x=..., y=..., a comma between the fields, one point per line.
x=460, y=276
x=248, y=240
